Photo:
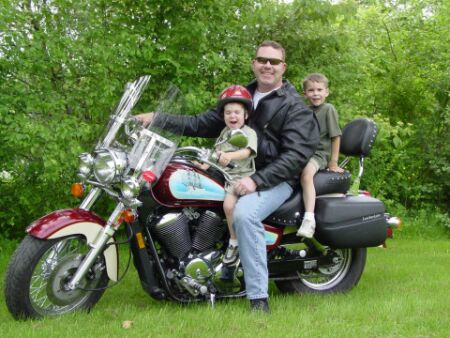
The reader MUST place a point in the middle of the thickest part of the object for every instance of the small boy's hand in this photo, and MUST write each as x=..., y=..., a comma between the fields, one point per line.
x=332, y=166
x=223, y=158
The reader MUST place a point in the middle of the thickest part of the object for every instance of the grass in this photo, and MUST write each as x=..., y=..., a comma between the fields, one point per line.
x=404, y=292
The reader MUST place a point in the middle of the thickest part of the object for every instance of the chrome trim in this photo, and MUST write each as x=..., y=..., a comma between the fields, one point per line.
x=91, y=198
x=393, y=221
x=129, y=98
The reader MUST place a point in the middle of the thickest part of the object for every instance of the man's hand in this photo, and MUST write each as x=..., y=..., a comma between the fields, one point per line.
x=203, y=166
x=145, y=118
x=245, y=186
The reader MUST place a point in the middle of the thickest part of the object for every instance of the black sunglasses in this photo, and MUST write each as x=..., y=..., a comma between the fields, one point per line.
x=273, y=62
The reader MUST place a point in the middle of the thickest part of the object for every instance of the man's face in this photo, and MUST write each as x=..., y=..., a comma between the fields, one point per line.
x=316, y=93
x=269, y=75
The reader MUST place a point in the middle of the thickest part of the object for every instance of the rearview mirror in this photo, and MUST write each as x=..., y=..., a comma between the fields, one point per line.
x=236, y=137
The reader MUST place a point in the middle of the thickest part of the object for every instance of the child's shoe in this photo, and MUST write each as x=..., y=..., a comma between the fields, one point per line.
x=231, y=255
x=227, y=273
x=230, y=260
x=307, y=228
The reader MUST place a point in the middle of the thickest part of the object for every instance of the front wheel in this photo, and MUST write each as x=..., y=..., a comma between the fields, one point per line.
x=36, y=278
x=345, y=272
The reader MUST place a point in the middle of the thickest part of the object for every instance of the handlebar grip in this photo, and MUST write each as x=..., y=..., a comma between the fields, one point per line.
x=231, y=165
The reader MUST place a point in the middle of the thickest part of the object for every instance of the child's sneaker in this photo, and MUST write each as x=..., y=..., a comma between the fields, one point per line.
x=230, y=260
x=231, y=255
x=307, y=228
x=227, y=272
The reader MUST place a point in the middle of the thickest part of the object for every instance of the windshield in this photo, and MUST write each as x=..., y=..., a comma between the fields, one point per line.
x=158, y=142
x=128, y=154
x=131, y=95
x=166, y=121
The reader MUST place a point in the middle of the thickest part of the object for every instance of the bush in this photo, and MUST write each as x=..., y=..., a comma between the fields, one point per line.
x=428, y=223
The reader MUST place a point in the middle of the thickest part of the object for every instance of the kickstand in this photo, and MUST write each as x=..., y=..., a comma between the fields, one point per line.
x=212, y=299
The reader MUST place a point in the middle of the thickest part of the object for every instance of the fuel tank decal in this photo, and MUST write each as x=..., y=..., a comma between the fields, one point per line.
x=189, y=184
x=270, y=237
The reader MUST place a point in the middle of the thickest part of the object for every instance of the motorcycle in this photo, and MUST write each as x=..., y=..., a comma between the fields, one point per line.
x=175, y=225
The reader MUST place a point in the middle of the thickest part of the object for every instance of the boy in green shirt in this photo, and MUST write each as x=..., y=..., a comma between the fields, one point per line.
x=235, y=105
x=315, y=88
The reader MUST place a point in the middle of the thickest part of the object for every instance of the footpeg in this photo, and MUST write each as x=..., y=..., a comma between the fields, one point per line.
x=212, y=299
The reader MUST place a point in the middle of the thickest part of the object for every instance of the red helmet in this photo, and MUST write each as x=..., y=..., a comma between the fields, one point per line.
x=235, y=93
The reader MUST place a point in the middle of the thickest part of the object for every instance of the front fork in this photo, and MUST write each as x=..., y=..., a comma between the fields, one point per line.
x=99, y=244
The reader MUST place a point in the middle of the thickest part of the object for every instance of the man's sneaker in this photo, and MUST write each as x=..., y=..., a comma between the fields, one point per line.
x=231, y=255
x=307, y=228
x=259, y=305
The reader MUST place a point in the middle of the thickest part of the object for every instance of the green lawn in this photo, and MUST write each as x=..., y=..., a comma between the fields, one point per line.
x=404, y=292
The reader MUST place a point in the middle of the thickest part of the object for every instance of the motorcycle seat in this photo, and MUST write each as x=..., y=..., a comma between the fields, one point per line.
x=325, y=182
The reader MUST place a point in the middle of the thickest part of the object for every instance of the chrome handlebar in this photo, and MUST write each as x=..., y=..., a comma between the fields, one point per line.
x=205, y=156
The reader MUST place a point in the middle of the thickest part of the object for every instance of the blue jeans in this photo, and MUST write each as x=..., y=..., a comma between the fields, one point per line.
x=250, y=210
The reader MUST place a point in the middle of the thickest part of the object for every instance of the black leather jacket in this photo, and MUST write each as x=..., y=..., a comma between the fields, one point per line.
x=288, y=134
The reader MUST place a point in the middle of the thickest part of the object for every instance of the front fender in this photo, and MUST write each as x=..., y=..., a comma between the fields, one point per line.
x=66, y=222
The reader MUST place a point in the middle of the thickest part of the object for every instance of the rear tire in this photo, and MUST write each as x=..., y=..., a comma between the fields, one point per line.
x=340, y=277
x=38, y=271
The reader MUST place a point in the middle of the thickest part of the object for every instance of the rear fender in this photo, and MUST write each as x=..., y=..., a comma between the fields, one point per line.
x=66, y=222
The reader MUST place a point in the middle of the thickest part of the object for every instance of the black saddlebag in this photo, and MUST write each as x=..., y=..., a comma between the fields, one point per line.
x=350, y=222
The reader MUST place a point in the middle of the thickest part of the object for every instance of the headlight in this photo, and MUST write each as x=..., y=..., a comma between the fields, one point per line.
x=86, y=162
x=109, y=165
x=130, y=188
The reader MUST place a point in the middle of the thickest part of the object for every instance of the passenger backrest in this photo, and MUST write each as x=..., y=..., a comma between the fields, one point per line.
x=358, y=137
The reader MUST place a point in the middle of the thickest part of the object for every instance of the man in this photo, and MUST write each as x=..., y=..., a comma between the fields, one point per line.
x=288, y=135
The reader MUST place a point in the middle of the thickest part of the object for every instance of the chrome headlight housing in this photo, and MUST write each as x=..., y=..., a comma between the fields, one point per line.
x=86, y=163
x=130, y=188
x=109, y=165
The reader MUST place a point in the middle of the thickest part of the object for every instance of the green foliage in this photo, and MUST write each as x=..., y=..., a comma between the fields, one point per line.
x=388, y=162
x=406, y=79
x=63, y=65
x=428, y=223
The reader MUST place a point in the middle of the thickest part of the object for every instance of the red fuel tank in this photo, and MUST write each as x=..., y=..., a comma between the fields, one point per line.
x=184, y=185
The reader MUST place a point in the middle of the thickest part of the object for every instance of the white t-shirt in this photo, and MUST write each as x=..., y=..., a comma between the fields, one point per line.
x=258, y=96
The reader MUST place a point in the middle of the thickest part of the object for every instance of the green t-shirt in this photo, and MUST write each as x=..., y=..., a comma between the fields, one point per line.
x=329, y=127
x=245, y=167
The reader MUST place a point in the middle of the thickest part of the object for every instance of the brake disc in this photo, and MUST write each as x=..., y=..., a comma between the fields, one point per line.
x=57, y=290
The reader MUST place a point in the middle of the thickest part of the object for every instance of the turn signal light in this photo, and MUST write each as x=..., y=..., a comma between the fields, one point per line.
x=128, y=215
x=77, y=190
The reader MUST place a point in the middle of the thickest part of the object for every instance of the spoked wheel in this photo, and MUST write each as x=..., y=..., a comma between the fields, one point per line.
x=37, y=277
x=340, y=276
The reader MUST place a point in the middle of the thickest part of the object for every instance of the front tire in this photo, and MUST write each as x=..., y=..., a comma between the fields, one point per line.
x=339, y=277
x=38, y=272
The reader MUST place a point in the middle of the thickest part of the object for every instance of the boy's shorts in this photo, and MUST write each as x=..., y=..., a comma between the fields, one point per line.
x=318, y=163
x=314, y=163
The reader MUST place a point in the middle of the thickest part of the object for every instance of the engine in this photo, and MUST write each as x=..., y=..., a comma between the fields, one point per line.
x=189, y=231
x=192, y=236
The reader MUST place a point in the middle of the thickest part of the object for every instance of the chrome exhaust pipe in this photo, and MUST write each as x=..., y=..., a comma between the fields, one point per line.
x=393, y=221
